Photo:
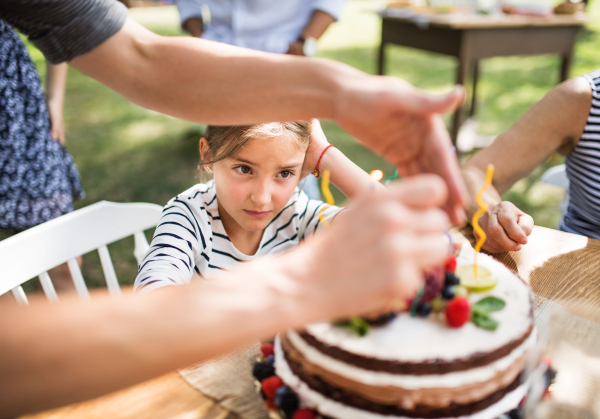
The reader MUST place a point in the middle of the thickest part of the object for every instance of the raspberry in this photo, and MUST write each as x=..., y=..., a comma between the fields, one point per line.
x=458, y=312
x=267, y=349
x=304, y=414
x=450, y=264
x=270, y=385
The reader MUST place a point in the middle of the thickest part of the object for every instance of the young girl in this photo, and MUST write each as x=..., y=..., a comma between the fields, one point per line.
x=252, y=207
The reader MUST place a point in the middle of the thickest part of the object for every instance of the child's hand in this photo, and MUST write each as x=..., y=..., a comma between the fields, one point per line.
x=318, y=142
x=506, y=226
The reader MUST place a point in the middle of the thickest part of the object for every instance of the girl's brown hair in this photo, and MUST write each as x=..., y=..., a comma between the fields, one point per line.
x=225, y=141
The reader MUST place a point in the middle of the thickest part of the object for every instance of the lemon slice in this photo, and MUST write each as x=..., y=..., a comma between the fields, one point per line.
x=483, y=282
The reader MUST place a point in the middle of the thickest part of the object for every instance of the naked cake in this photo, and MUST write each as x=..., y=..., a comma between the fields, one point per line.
x=427, y=362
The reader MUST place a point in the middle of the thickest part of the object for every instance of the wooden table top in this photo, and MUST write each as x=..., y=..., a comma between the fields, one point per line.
x=556, y=264
x=468, y=21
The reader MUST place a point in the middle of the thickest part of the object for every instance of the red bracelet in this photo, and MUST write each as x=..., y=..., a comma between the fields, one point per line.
x=316, y=171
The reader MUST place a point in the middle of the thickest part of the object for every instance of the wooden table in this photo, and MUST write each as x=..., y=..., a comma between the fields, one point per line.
x=471, y=38
x=557, y=265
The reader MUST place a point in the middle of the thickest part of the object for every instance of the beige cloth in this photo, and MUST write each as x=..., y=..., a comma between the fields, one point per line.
x=228, y=379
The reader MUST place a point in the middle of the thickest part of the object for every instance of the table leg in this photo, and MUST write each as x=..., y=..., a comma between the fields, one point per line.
x=475, y=77
x=461, y=76
x=381, y=58
x=566, y=66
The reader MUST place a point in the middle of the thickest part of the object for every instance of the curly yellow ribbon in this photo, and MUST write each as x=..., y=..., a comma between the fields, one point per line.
x=328, y=197
x=482, y=209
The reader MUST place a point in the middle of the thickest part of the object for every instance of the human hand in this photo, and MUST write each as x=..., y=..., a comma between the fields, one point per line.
x=506, y=227
x=318, y=143
x=57, y=129
x=400, y=122
x=373, y=256
x=296, y=48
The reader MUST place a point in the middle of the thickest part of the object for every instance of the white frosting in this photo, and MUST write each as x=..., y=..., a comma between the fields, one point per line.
x=326, y=406
x=414, y=339
x=410, y=382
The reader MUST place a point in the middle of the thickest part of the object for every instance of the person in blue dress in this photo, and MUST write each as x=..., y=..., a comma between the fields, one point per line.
x=38, y=177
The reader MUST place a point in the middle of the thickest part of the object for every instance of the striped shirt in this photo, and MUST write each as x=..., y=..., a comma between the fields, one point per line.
x=583, y=170
x=64, y=29
x=190, y=238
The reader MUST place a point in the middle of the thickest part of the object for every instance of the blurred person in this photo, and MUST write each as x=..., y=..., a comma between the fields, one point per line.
x=263, y=25
x=566, y=120
x=252, y=207
x=38, y=177
x=389, y=237
x=290, y=27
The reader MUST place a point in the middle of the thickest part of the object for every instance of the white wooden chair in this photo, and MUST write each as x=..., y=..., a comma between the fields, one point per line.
x=557, y=176
x=41, y=248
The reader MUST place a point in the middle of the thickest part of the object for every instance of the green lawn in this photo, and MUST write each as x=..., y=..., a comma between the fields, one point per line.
x=129, y=154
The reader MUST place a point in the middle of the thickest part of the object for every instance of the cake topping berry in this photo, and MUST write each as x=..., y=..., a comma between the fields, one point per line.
x=270, y=385
x=458, y=312
x=270, y=359
x=452, y=279
x=448, y=293
x=450, y=264
x=304, y=414
x=267, y=349
x=262, y=370
x=287, y=401
x=424, y=309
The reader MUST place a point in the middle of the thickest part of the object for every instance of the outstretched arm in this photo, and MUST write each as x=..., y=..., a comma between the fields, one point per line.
x=555, y=123
x=75, y=350
x=213, y=83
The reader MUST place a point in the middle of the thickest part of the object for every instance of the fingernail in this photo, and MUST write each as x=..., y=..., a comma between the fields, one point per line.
x=517, y=248
x=524, y=240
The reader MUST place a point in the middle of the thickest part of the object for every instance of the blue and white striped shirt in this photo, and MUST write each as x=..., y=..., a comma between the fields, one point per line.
x=191, y=240
x=583, y=170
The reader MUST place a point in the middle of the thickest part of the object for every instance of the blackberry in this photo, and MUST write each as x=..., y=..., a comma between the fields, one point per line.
x=452, y=279
x=287, y=401
x=262, y=370
x=517, y=413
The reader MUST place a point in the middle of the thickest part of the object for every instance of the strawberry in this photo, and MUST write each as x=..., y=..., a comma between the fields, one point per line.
x=458, y=312
x=450, y=264
x=267, y=349
x=304, y=414
x=270, y=385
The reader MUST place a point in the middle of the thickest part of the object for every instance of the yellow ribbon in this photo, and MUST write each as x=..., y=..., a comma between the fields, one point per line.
x=482, y=209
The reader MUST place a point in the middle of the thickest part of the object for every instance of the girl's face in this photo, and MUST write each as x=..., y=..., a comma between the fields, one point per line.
x=256, y=183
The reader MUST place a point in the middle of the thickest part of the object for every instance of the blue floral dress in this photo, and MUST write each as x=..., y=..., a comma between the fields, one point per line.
x=38, y=177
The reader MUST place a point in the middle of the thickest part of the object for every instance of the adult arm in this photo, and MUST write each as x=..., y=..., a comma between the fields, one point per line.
x=315, y=28
x=555, y=123
x=223, y=84
x=56, y=83
x=75, y=350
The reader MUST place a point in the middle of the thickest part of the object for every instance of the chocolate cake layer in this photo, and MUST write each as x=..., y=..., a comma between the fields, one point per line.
x=419, y=411
x=416, y=368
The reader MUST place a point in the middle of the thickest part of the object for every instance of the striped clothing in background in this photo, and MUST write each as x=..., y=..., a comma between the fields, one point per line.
x=190, y=238
x=583, y=170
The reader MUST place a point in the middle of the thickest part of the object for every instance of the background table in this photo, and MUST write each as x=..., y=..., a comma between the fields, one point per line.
x=472, y=38
x=557, y=265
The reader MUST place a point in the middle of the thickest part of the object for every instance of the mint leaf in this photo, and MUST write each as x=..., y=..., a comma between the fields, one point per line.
x=416, y=301
x=484, y=321
x=357, y=325
x=488, y=305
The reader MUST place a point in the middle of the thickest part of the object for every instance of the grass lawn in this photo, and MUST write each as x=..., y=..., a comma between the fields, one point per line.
x=129, y=154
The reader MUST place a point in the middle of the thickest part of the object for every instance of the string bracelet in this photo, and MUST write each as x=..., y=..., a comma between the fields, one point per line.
x=316, y=171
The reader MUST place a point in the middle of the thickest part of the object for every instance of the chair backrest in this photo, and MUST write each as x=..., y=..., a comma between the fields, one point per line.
x=41, y=248
x=557, y=176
